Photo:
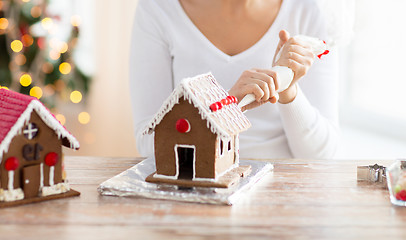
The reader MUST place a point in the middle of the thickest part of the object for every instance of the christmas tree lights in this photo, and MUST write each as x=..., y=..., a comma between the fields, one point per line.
x=34, y=58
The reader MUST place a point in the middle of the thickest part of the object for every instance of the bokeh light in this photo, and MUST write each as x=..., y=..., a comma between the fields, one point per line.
x=54, y=55
x=25, y=80
x=65, y=68
x=27, y=40
x=84, y=117
x=76, y=96
x=47, y=23
x=63, y=48
x=16, y=46
x=61, y=118
x=36, y=11
x=36, y=92
x=3, y=23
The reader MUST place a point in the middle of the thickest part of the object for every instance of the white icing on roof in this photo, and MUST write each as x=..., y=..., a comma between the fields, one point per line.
x=48, y=119
x=202, y=91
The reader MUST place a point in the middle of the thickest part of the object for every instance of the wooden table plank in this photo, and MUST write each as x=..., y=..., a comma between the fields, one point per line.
x=303, y=199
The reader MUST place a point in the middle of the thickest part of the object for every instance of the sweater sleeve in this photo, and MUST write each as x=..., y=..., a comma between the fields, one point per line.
x=150, y=71
x=310, y=122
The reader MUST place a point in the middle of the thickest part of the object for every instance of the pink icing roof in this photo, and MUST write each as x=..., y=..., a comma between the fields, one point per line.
x=202, y=91
x=15, y=111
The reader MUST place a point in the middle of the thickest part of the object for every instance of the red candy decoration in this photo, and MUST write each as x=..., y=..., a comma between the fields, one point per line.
x=183, y=125
x=401, y=195
x=223, y=102
x=230, y=99
x=216, y=106
x=11, y=164
x=51, y=159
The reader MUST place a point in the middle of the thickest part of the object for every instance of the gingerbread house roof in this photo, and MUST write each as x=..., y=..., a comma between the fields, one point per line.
x=15, y=112
x=203, y=91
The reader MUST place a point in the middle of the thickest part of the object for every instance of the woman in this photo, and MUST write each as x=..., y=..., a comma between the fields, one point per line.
x=237, y=40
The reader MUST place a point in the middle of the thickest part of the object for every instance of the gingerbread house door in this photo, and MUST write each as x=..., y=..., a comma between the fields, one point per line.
x=185, y=158
x=31, y=180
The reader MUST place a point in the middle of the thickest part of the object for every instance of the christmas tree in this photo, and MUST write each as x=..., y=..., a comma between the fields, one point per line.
x=35, y=59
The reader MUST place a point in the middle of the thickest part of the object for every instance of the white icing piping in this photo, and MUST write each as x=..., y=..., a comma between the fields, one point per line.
x=222, y=122
x=205, y=179
x=51, y=175
x=46, y=117
x=10, y=180
x=41, y=176
x=177, y=158
x=156, y=175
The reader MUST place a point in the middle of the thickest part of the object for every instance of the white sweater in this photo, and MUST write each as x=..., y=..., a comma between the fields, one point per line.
x=167, y=47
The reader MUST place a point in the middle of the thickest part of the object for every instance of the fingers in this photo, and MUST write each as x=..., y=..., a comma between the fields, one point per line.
x=302, y=50
x=298, y=56
x=298, y=63
x=272, y=74
x=284, y=35
x=262, y=84
x=283, y=38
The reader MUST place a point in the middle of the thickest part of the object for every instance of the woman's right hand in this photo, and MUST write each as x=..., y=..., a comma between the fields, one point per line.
x=262, y=83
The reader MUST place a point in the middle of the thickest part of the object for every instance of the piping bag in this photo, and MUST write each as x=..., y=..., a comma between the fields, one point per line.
x=285, y=74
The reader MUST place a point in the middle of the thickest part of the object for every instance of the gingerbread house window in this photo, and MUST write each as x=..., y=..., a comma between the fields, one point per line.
x=30, y=131
x=221, y=147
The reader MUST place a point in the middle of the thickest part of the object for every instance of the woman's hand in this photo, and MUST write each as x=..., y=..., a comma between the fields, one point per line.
x=296, y=55
x=261, y=82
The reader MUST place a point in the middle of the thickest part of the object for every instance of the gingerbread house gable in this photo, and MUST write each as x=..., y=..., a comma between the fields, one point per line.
x=196, y=135
x=222, y=114
x=31, y=159
x=15, y=113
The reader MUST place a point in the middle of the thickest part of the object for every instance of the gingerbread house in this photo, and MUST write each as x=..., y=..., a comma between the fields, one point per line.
x=31, y=161
x=196, y=135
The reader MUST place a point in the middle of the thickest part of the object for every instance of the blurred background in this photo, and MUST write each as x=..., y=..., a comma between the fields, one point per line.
x=74, y=56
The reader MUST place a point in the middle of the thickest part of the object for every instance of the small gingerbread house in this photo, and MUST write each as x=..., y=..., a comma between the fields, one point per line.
x=31, y=164
x=196, y=135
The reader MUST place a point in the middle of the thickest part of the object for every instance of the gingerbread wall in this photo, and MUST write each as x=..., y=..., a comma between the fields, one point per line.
x=44, y=142
x=227, y=158
x=166, y=137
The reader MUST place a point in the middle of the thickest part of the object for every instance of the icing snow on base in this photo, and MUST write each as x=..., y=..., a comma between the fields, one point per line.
x=55, y=189
x=11, y=195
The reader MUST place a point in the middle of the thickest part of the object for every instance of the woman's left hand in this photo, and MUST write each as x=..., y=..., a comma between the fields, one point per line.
x=296, y=55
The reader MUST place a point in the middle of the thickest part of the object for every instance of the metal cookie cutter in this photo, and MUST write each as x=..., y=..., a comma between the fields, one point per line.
x=372, y=173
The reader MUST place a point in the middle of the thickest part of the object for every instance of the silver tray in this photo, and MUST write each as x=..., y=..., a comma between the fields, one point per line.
x=131, y=183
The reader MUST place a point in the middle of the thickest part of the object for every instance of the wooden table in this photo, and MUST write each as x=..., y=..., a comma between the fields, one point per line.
x=302, y=199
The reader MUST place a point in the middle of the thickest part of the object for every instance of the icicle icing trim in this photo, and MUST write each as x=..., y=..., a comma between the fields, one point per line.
x=46, y=117
x=202, y=91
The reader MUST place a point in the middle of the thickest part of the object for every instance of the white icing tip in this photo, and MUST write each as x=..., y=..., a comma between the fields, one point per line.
x=249, y=98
